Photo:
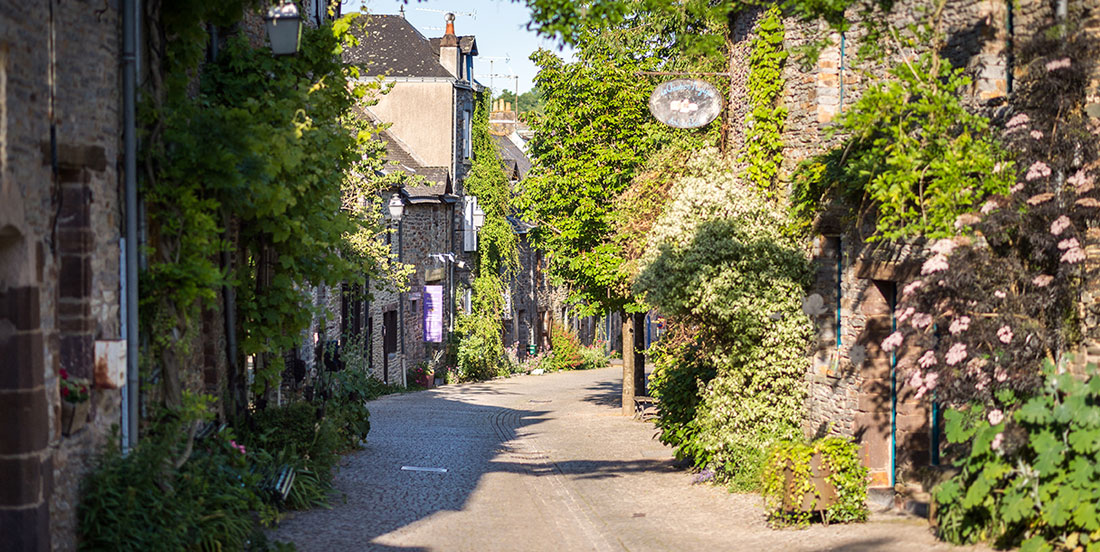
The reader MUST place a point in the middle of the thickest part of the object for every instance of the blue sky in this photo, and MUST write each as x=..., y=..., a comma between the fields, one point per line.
x=503, y=42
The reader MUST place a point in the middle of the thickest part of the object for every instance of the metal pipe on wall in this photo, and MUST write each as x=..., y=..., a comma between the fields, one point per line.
x=129, y=146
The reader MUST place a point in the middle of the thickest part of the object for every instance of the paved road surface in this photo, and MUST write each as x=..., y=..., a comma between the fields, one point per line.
x=545, y=463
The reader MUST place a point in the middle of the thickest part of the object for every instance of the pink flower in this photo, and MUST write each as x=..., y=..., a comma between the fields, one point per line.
x=1037, y=134
x=915, y=380
x=956, y=354
x=943, y=247
x=929, y=384
x=1088, y=202
x=936, y=263
x=910, y=288
x=1039, y=199
x=1058, y=64
x=1059, y=225
x=1018, y=120
x=906, y=314
x=998, y=441
x=1037, y=170
x=921, y=320
x=1000, y=374
x=1016, y=187
x=927, y=359
x=1081, y=181
x=1005, y=334
x=989, y=206
x=996, y=416
x=967, y=219
x=1042, y=280
x=1074, y=255
x=999, y=294
x=892, y=342
x=1070, y=243
x=959, y=325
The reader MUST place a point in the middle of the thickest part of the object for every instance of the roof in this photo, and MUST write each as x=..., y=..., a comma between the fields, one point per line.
x=390, y=45
x=398, y=158
x=515, y=161
x=466, y=43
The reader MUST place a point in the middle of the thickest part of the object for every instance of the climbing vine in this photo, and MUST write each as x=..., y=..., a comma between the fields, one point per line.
x=913, y=155
x=255, y=156
x=481, y=349
x=788, y=479
x=764, y=132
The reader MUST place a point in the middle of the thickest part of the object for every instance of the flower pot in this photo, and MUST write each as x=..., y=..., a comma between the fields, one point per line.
x=824, y=490
x=74, y=416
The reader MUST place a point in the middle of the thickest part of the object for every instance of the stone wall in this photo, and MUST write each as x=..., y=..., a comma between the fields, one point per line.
x=60, y=222
x=849, y=382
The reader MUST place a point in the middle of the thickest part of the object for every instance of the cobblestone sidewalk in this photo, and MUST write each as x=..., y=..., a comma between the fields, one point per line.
x=539, y=463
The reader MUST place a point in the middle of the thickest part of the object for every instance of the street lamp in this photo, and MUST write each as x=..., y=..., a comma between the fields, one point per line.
x=397, y=207
x=284, y=29
x=397, y=210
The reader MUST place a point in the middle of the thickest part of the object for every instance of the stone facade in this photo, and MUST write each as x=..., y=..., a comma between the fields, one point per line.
x=60, y=223
x=850, y=383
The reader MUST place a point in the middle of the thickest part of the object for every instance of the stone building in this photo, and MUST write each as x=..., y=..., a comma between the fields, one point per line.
x=429, y=109
x=61, y=219
x=852, y=384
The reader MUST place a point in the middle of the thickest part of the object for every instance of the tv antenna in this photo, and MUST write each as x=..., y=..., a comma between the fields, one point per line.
x=507, y=59
x=513, y=76
x=466, y=14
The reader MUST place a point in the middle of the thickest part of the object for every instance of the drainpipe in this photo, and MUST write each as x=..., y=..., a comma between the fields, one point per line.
x=129, y=146
x=893, y=393
x=842, y=40
x=401, y=298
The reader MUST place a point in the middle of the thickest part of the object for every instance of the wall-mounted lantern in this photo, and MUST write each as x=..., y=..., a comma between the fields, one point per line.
x=397, y=207
x=284, y=29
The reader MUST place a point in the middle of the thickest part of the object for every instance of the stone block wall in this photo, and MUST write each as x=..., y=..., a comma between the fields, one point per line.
x=60, y=223
x=849, y=383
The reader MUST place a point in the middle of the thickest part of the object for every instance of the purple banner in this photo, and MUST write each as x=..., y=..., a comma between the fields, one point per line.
x=433, y=314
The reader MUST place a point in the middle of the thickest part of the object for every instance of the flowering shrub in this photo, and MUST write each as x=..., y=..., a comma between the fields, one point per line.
x=565, y=348
x=1029, y=477
x=422, y=375
x=1005, y=300
x=721, y=264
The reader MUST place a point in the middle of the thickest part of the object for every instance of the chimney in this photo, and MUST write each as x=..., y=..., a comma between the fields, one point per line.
x=450, y=56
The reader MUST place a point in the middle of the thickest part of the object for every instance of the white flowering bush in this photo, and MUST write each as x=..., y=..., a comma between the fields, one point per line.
x=720, y=263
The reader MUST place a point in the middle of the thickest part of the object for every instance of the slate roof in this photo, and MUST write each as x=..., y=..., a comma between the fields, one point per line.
x=466, y=43
x=515, y=161
x=390, y=45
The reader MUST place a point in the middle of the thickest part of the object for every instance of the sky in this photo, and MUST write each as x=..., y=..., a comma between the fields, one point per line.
x=504, y=44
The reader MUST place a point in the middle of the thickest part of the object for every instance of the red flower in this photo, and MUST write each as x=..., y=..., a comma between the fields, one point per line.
x=64, y=374
x=64, y=391
x=83, y=388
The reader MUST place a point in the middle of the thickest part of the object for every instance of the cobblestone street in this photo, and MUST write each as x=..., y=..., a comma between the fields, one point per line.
x=545, y=463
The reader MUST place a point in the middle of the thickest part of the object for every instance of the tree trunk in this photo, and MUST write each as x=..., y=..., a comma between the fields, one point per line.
x=629, y=378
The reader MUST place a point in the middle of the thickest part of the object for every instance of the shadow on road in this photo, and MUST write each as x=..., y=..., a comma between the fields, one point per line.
x=383, y=502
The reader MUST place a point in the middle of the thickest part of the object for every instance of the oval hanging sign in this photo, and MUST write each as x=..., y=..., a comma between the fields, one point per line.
x=685, y=103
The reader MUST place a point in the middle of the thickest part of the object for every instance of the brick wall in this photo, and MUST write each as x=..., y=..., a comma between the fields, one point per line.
x=59, y=256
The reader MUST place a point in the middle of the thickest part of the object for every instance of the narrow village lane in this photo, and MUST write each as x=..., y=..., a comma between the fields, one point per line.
x=544, y=463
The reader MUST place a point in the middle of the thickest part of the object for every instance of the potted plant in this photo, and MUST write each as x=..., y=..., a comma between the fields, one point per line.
x=824, y=477
x=74, y=403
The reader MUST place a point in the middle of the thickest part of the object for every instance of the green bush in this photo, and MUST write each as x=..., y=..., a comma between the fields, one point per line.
x=593, y=357
x=565, y=348
x=680, y=374
x=722, y=265
x=141, y=501
x=1031, y=478
x=846, y=473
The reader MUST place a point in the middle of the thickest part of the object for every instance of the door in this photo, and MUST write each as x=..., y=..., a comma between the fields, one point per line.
x=389, y=341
